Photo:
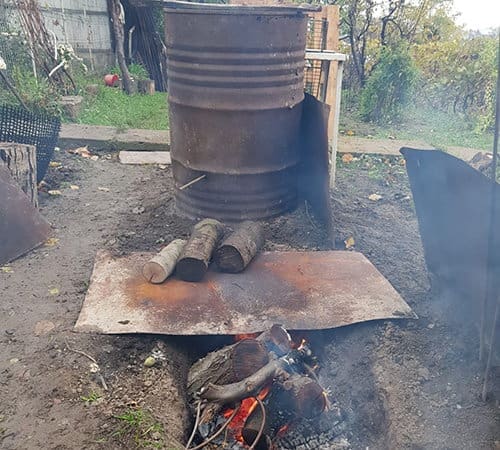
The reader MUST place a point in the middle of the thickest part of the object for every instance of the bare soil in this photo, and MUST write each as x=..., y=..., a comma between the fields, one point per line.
x=395, y=384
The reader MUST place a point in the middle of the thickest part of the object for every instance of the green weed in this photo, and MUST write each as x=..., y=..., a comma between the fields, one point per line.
x=91, y=398
x=140, y=427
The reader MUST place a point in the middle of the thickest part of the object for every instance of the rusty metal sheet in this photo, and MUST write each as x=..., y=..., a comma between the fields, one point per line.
x=454, y=207
x=300, y=290
x=313, y=169
x=22, y=227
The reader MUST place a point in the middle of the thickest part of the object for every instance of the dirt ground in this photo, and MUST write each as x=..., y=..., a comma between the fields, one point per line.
x=395, y=384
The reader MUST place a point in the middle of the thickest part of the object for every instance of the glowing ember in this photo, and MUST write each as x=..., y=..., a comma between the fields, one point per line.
x=240, y=337
x=281, y=432
x=246, y=408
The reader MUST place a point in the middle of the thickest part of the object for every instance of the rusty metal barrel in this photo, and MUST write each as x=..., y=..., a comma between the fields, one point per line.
x=236, y=77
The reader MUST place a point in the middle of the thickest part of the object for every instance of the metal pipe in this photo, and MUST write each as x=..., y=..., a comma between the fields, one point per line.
x=491, y=291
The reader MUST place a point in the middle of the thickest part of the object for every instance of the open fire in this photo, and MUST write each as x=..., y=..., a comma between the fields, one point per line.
x=247, y=394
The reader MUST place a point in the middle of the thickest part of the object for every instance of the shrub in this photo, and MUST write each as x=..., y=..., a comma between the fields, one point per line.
x=389, y=86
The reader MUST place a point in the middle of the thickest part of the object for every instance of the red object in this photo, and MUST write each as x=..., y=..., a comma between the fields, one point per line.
x=110, y=79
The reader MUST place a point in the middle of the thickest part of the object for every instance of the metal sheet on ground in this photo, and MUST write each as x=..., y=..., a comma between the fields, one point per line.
x=22, y=227
x=300, y=290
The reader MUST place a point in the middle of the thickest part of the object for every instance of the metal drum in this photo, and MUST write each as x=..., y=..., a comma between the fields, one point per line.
x=235, y=91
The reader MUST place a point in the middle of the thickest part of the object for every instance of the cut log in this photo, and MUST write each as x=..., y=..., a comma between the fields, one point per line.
x=229, y=394
x=146, y=87
x=224, y=367
x=304, y=396
x=162, y=265
x=236, y=252
x=277, y=340
x=195, y=258
x=20, y=161
x=227, y=365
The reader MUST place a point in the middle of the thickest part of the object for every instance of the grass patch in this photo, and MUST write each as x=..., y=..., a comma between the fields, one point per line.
x=139, y=427
x=111, y=106
x=91, y=398
x=436, y=128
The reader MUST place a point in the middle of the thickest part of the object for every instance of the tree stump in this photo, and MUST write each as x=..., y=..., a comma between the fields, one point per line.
x=194, y=260
x=146, y=87
x=236, y=252
x=20, y=161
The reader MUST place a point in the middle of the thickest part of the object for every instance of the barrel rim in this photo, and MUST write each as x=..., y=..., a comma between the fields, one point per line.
x=173, y=6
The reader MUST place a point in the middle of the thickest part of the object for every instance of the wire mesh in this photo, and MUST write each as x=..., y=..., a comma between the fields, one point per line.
x=23, y=127
x=316, y=40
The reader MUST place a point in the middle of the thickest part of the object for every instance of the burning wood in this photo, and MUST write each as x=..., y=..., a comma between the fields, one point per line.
x=255, y=388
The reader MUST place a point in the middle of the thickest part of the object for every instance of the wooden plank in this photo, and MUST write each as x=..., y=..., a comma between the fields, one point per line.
x=333, y=91
x=99, y=137
x=143, y=157
x=334, y=127
x=325, y=56
x=332, y=44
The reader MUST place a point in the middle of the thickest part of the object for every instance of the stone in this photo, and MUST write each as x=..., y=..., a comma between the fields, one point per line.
x=43, y=327
x=424, y=373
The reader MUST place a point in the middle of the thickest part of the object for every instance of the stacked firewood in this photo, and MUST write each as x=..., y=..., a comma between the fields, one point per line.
x=279, y=375
x=190, y=259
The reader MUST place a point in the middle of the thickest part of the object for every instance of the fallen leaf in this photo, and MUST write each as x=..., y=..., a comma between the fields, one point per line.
x=81, y=151
x=6, y=269
x=150, y=361
x=347, y=158
x=350, y=133
x=55, y=164
x=50, y=242
x=54, y=192
x=349, y=242
x=374, y=197
x=54, y=291
x=43, y=327
x=74, y=187
x=103, y=189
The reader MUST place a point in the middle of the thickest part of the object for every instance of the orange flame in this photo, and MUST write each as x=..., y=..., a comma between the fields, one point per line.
x=281, y=432
x=240, y=337
x=246, y=408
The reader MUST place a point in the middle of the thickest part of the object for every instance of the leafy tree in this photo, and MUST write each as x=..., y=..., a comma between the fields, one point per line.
x=389, y=87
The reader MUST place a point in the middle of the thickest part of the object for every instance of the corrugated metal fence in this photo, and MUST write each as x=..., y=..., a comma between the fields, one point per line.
x=84, y=24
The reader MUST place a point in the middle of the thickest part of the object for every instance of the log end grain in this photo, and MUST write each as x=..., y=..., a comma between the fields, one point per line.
x=191, y=269
x=228, y=259
x=154, y=272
